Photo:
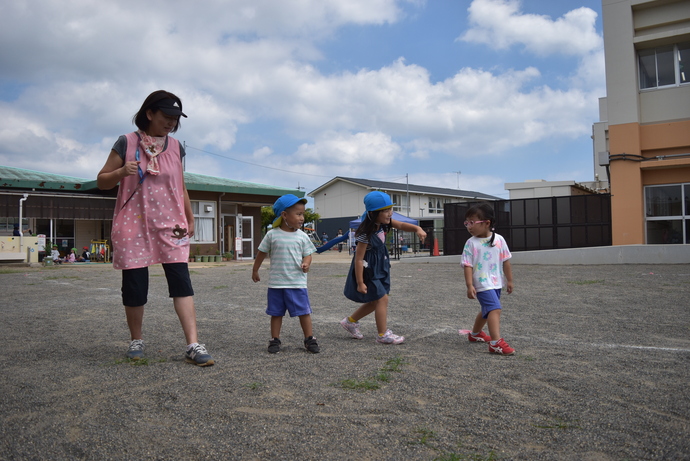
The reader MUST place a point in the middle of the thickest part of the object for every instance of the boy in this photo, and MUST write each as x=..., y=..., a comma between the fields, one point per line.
x=290, y=251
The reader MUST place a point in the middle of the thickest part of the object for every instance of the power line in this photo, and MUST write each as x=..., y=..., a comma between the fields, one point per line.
x=260, y=166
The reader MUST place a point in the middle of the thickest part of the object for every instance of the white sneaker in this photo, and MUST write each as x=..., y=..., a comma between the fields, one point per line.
x=390, y=338
x=352, y=328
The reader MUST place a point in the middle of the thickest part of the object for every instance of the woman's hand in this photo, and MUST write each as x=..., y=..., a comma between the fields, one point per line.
x=362, y=288
x=130, y=168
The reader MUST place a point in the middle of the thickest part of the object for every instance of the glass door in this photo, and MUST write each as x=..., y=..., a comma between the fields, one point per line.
x=244, y=240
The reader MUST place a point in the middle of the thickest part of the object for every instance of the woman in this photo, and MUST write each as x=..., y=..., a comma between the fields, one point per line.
x=153, y=219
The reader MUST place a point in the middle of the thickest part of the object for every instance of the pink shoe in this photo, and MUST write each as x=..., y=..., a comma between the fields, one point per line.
x=390, y=338
x=501, y=347
x=480, y=338
x=352, y=328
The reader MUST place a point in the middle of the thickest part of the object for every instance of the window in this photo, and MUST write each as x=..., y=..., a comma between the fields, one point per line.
x=436, y=204
x=667, y=210
x=204, y=222
x=399, y=203
x=664, y=65
x=7, y=225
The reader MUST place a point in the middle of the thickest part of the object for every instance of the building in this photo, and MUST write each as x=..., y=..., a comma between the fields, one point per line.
x=341, y=200
x=72, y=212
x=647, y=119
x=539, y=188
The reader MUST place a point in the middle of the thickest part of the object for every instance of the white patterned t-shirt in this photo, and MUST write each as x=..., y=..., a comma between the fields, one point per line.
x=486, y=261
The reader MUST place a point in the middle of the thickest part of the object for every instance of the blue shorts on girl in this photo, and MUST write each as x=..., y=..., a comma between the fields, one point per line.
x=292, y=300
x=490, y=300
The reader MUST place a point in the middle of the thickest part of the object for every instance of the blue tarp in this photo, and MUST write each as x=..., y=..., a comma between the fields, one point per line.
x=354, y=224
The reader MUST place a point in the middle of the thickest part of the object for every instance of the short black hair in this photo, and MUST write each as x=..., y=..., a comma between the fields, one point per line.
x=141, y=120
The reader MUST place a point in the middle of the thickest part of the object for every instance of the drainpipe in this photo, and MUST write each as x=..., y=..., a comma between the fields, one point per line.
x=21, y=232
x=221, y=234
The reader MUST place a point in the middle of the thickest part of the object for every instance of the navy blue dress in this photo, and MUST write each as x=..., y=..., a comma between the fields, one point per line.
x=377, y=275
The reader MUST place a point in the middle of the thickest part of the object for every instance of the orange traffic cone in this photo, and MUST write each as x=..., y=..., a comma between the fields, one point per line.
x=436, y=253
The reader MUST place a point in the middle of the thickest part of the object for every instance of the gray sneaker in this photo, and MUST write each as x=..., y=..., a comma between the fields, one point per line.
x=198, y=355
x=136, y=350
x=352, y=328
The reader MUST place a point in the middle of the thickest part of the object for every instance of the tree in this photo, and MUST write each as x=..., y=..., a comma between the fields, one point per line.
x=267, y=217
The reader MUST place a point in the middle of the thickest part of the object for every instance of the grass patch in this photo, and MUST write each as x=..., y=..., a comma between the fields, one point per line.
x=220, y=287
x=9, y=271
x=138, y=363
x=585, y=282
x=426, y=438
x=55, y=277
x=369, y=384
x=383, y=375
x=253, y=386
x=467, y=456
x=557, y=424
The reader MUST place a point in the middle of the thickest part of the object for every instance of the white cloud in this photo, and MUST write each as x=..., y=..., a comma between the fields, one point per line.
x=371, y=150
x=500, y=24
x=82, y=68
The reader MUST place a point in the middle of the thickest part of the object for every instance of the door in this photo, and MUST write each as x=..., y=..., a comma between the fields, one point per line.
x=244, y=242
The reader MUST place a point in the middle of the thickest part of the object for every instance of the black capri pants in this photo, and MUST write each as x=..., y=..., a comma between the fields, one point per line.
x=135, y=283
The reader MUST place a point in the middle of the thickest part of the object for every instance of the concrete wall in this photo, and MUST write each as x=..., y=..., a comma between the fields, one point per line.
x=625, y=254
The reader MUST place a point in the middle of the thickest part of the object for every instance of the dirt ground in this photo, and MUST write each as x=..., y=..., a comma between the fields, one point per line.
x=601, y=370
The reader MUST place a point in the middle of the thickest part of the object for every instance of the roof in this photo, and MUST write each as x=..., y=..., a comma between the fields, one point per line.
x=17, y=178
x=200, y=182
x=401, y=187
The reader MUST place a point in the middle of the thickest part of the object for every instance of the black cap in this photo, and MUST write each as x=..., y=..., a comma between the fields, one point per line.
x=169, y=107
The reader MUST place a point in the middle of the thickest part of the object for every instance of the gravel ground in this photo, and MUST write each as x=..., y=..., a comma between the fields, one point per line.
x=601, y=370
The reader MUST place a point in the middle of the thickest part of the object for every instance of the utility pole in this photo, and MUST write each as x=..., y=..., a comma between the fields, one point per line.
x=458, y=173
x=407, y=180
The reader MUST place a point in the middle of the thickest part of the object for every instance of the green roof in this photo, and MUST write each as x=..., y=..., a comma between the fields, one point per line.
x=17, y=178
x=200, y=182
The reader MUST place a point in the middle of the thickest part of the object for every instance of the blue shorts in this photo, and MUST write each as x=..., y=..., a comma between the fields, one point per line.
x=293, y=300
x=490, y=300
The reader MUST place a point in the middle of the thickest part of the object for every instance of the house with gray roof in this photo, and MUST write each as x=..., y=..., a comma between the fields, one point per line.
x=341, y=199
x=73, y=212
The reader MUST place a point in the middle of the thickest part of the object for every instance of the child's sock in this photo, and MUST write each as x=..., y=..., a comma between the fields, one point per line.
x=475, y=334
x=351, y=320
x=381, y=335
x=190, y=346
x=493, y=343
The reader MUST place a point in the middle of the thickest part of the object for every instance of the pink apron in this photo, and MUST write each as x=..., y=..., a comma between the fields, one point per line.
x=147, y=230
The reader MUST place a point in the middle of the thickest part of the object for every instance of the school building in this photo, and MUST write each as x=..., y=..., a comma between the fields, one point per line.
x=644, y=131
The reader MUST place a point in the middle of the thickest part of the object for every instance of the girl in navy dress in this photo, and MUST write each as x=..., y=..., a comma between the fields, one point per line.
x=368, y=281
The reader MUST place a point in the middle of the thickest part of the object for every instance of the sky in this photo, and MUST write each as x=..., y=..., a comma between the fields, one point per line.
x=291, y=93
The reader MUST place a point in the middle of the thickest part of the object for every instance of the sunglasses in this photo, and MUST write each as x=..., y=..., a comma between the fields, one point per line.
x=472, y=223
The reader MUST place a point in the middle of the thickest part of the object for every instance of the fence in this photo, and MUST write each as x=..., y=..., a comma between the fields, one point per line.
x=546, y=223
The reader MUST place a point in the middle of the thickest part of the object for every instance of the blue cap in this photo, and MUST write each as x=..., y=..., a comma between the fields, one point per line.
x=375, y=201
x=282, y=204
